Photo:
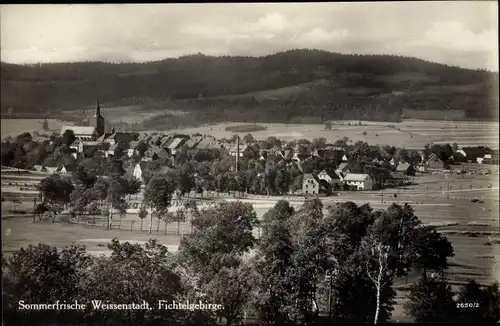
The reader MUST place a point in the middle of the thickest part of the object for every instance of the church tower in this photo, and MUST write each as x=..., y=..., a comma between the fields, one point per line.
x=98, y=121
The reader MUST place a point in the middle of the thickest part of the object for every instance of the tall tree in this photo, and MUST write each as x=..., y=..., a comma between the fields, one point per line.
x=158, y=197
x=478, y=303
x=274, y=261
x=45, y=125
x=68, y=137
x=431, y=301
x=42, y=274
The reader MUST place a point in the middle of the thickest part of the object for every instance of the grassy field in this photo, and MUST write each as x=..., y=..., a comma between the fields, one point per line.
x=409, y=133
x=14, y=127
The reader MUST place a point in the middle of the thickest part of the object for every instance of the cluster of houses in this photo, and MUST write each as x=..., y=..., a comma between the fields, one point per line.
x=329, y=180
x=93, y=140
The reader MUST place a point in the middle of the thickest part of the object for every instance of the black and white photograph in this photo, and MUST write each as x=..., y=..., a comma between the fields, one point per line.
x=302, y=163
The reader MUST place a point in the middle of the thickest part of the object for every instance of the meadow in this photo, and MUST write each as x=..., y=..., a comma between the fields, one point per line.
x=414, y=134
x=14, y=127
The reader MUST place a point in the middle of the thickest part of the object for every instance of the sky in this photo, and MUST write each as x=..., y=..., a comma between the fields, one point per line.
x=457, y=33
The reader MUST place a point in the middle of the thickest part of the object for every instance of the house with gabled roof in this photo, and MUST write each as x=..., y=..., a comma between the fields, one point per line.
x=333, y=179
x=405, y=168
x=39, y=168
x=310, y=184
x=154, y=153
x=244, y=150
x=434, y=162
x=133, y=148
x=342, y=169
x=359, y=181
x=176, y=144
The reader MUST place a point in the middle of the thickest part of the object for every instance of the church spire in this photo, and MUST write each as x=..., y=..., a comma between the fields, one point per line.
x=97, y=108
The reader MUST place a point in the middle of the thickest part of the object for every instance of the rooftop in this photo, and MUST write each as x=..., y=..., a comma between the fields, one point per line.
x=79, y=130
x=355, y=177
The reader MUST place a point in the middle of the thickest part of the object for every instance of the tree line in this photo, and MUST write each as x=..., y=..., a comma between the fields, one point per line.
x=312, y=264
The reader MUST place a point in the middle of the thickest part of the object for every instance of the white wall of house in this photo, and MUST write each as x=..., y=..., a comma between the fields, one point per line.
x=310, y=187
x=367, y=184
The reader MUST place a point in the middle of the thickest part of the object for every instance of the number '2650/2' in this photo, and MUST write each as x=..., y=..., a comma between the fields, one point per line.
x=467, y=305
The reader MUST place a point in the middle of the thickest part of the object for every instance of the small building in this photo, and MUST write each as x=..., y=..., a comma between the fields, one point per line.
x=422, y=167
x=175, y=144
x=342, y=169
x=331, y=177
x=298, y=158
x=434, y=162
x=396, y=179
x=133, y=148
x=310, y=184
x=121, y=137
x=82, y=132
x=359, y=181
x=405, y=168
x=39, y=168
x=111, y=150
x=155, y=153
x=244, y=149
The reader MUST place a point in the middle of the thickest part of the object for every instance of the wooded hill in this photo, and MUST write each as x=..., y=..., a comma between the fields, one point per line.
x=282, y=87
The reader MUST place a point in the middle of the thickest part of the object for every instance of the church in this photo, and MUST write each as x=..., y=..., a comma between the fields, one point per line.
x=93, y=131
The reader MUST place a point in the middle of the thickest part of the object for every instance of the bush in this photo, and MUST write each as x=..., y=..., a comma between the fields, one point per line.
x=246, y=128
x=431, y=301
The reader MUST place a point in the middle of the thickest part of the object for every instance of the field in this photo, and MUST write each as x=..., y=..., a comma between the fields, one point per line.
x=14, y=127
x=413, y=134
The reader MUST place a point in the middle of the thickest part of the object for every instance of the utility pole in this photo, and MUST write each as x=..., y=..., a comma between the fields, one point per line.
x=448, y=192
x=34, y=209
x=237, y=153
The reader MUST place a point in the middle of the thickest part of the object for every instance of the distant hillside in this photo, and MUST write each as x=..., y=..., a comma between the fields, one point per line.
x=274, y=88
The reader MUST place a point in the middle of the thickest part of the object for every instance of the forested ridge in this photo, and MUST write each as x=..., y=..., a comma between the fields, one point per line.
x=285, y=86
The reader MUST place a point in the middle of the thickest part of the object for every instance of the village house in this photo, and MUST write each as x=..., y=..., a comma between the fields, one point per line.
x=310, y=184
x=406, y=168
x=207, y=143
x=133, y=148
x=110, y=152
x=359, y=181
x=121, y=137
x=396, y=179
x=244, y=150
x=342, y=169
x=435, y=163
x=332, y=178
x=175, y=143
x=39, y=168
x=155, y=153
x=298, y=158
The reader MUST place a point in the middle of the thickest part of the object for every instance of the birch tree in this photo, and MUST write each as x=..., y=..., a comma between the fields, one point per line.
x=378, y=270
